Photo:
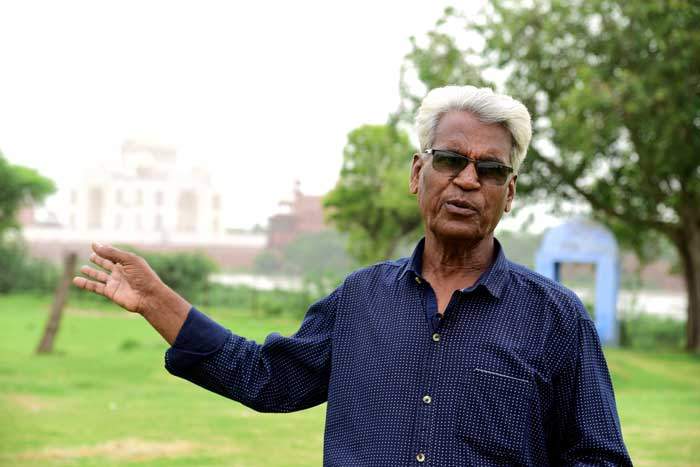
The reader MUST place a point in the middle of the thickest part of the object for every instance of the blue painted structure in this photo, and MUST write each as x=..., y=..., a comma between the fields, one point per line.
x=583, y=241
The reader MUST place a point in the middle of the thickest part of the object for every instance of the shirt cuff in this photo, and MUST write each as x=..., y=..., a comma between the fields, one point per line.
x=199, y=337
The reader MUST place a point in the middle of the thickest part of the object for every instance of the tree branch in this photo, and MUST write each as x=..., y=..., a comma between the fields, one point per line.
x=664, y=227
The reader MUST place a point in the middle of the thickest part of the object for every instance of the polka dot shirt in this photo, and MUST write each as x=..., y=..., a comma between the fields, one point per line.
x=512, y=374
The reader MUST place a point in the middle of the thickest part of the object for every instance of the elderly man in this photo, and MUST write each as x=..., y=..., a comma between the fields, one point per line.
x=452, y=357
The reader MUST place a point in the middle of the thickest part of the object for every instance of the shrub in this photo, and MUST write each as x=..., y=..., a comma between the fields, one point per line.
x=238, y=296
x=19, y=272
x=646, y=331
x=187, y=273
x=263, y=302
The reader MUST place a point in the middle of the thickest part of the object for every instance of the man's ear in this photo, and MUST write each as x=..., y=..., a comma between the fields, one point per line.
x=416, y=167
x=511, y=193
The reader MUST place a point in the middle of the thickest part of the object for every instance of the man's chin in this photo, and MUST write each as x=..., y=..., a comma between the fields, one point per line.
x=458, y=232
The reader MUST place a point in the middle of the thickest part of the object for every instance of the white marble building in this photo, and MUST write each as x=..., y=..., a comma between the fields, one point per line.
x=145, y=199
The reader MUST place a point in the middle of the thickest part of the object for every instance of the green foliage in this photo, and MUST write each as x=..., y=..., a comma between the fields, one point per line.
x=268, y=262
x=319, y=259
x=651, y=332
x=260, y=302
x=614, y=90
x=20, y=272
x=614, y=86
x=278, y=302
x=371, y=201
x=19, y=186
x=238, y=297
x=318, y=254
x=435, y=62
x=322, y=262
x=185, y=272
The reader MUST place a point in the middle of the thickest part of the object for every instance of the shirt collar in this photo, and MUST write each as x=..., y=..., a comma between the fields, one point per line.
x=494, y=280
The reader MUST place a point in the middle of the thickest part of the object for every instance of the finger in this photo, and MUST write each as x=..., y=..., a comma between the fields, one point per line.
x=115, y=255
x=103, y=262
x=92, y=286
x=95, y=274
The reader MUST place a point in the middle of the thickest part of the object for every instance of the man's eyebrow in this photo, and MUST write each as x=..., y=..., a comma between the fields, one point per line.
x=490, y=157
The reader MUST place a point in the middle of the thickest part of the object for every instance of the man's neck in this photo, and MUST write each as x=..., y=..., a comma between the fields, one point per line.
x=457, y=263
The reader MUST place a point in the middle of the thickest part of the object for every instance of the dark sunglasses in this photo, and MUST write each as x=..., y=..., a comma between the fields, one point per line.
x=452, y=163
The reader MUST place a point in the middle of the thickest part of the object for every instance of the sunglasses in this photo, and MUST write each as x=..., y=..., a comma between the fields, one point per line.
x=452, y=163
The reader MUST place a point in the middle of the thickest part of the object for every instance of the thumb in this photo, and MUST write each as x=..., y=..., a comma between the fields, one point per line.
x=115, y=255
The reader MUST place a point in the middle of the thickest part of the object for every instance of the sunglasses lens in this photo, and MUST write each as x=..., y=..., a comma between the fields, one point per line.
x=447, y=163
x=492, y=174
x=489, y=172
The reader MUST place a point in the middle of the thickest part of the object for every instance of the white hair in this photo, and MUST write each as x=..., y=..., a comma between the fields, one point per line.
x=486, y=105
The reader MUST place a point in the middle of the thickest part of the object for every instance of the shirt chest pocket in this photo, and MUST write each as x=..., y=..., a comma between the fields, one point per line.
x=493, y=415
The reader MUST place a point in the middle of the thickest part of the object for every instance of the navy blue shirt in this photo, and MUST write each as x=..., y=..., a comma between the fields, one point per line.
x=513, y=374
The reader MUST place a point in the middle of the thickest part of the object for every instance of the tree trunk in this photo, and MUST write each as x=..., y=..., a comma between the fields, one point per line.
x=688, y=245
x=46, y=344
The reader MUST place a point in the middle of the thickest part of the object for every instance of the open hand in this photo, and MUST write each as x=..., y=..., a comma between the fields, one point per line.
x=129, y=281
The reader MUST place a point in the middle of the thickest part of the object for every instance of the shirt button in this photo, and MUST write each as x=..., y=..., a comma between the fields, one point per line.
x=436, y=337
x=418, y=279
x=427, y=399
x=420, y=457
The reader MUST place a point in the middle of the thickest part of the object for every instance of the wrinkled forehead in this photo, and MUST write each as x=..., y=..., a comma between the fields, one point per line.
x=463, y=132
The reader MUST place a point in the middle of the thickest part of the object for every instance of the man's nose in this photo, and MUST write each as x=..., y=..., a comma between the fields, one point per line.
x=467, y=179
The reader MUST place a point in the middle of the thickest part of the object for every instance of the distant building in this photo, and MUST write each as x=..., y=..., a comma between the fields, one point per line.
x=304, y=214
x=148, y=201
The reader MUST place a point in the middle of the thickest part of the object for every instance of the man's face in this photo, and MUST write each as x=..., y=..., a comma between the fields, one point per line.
x=461, y=207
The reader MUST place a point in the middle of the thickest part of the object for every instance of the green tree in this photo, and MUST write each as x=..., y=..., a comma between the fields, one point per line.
x=320, y=259
x=19, y=186
x=614, y=88
x=371, y=201
x=317, y=254
x=436, y=61
x=311, y=255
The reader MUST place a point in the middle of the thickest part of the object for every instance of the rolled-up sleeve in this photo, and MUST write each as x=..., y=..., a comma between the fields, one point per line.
x=282, y=374
x=589, y=427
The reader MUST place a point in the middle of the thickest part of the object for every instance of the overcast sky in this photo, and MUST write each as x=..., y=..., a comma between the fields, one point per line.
x=261, y=93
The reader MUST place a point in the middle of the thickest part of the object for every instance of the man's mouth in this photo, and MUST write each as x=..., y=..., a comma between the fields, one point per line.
x=460, y=207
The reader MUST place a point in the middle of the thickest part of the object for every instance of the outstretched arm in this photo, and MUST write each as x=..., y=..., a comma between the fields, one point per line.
x=129, y=281
x=280, y=375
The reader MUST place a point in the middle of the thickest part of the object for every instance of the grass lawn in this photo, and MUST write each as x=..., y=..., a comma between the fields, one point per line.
x=103, y=398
